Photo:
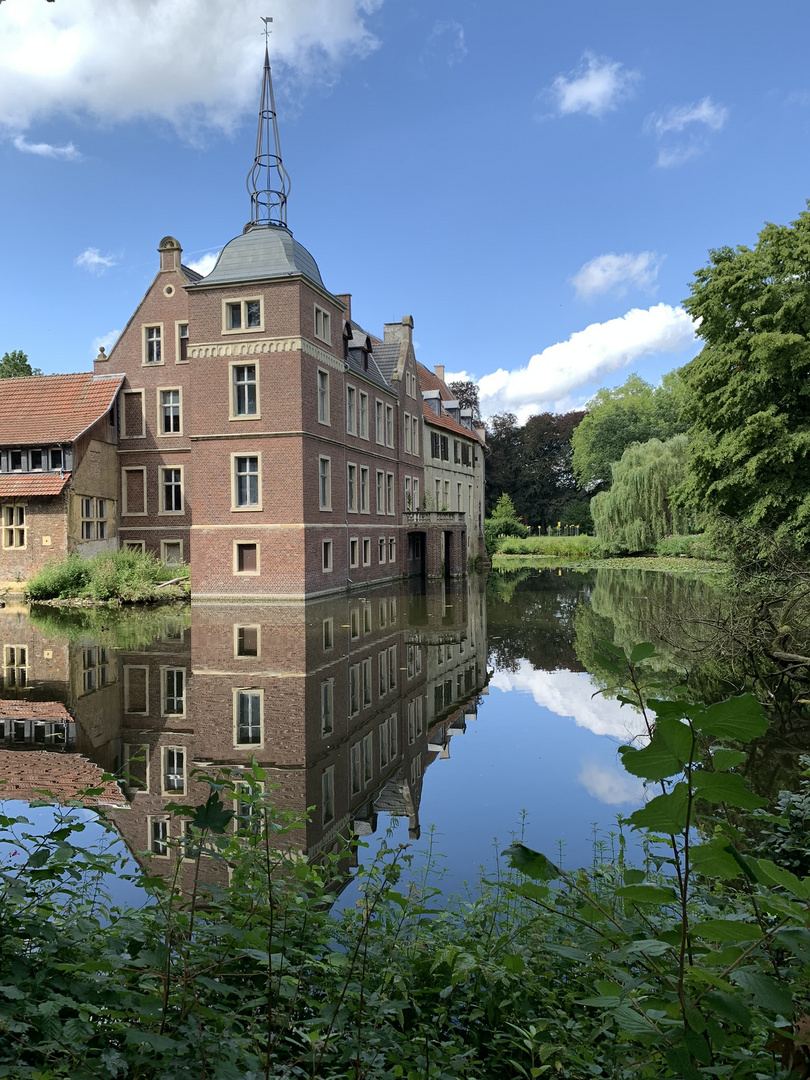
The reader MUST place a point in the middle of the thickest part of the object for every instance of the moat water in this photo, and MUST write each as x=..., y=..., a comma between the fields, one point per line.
x=455, y=718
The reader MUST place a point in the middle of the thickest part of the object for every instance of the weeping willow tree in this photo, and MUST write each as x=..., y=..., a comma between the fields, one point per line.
x=638, y=509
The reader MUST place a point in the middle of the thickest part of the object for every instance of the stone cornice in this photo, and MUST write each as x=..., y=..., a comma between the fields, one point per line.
x=262, y=347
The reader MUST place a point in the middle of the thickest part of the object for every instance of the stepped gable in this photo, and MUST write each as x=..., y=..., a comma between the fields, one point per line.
x=54, y=408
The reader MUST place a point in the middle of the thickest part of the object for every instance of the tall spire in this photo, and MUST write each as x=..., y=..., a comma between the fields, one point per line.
x=267, y=182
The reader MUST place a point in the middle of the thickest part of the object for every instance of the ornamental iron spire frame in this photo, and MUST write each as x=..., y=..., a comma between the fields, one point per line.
x=268, y=182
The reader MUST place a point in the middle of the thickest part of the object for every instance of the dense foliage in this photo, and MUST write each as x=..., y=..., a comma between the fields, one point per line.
x=532, y=464
x=695, y=964
x=15, y=365
x=639, y=508
x=747, y=393
x=126, y=575
x=616, y=418
x=503, y=521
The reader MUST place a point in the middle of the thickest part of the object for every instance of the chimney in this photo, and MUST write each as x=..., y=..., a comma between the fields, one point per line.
x=346, y=298
x=401, y=331
x=438, y=371
x=170, y=252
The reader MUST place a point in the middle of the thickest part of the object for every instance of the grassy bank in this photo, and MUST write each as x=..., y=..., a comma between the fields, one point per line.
x=125, y=576
x=661, y=563
x=672, y=554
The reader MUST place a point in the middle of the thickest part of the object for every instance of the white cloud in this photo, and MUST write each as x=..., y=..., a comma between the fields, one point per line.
x=205, y=264
x=194, y=63
x=106, y=341
x=68, y=152
x=690, y=125
x=571, y=693
x=91, y=259
x=447, y=42
x=611, y=786
x=616, y=273
x=585, y=357
x=681, y=116
x=597, y=86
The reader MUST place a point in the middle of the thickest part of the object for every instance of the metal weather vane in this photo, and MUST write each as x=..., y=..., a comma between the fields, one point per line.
x=267, y=182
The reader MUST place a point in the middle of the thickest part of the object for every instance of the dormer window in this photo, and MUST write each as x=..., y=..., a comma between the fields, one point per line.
x=15, y=461
x=57, y=458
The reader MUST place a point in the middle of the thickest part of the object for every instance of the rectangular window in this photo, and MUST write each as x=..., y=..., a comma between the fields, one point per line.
x=136, y=766
x=171, y=552
x=381, y=544
x=323, y=396
x=247, y=640
x=159, y=836
x=366, y=681
x=368, y=759
x=415, y=432
x=456, y=452
x=182, y=343
x=382, y=673
x=14, y=526
x=169, y=412
x=407, y=433
x=325, y=483
x=151, y=341
x=355, y=769
x=366, y=551
x=392, y=667
x=246, y=482
x=174, y=683
x=328, y=633
x=366, y=617
x=392, y=549
x=459, y=498
x=446, y=504
x=243, y=314
x=354, y=690
x=408, y=497
x=438, y=484
x=435, y=445
x=15, y=666
x=328, y=794
x=174, y=770
x=379, y=427
x=326, y=556
x=136, y=689
x=384, y=744
x=327, y=707
x=35, y=460
x=364, y=482
x=351, y=410
x=248, y=715
x=57, y=458
x=247, y=558
x=245, y=390
x=94, y=519
x=416, y=503
x=354, y=623
x=172, y=484
x=15, y=461
x=389, y=425
x=389, y=493
x=95, y=668
x=323, y=325
x=362, y=415
x=351, y=488
x=380, y=492
x=354, y=548
x=133, y=421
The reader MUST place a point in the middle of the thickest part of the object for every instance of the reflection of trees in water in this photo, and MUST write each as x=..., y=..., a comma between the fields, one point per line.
x=530, y=615
x=707, y=641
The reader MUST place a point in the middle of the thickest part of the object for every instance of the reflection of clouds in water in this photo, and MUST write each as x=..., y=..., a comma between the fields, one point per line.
x=570, y=693
x=612, y=786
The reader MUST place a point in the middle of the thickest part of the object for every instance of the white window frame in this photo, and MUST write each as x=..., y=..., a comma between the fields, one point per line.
x=351, y=409
x=407, y=432
x=354, y=552
x=246, y=573
x=165, y=752
x=362, y=414
x=232, y=384
x=324, y=483
x=252, y=507
x=161, y=413
x=179, y=338
x=322, y=324
x=241, y=627
x=324, y=398
x=380, y=491
x=96, y=522
x=366, y=551
x=390, y=496
x=389, y=425
x=327, y=557
x=327, y=707
x=253, y=692
x=351, y=487
x=148, y=341
x=159, y=835
x=165, y=545
x=379, y=421
x=364, y=489
x=162, y=512
x=381, y=546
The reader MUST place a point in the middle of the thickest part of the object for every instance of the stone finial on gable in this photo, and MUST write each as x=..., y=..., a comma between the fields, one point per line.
x=170, y=253
x=102, y=355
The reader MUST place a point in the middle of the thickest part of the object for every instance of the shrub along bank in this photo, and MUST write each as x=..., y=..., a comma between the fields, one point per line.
x=694, y=964
x=127, y=575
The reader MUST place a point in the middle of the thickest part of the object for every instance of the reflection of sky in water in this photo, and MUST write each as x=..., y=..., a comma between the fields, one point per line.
x=542, y=743
x=13, y=846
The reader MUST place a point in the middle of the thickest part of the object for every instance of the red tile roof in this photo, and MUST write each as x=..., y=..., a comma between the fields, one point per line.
x=27, y=773
x=53, y=408
x=14, y=485
x=15, y=709
x=429, y=381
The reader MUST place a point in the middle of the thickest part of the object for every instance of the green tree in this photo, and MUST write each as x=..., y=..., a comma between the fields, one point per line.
x=466, y=393
x=638, y=510
x=503, y=522
x=616, y=418
x=748, y=391
x=15, y=365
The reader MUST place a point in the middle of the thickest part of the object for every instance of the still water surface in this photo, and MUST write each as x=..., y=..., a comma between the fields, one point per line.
x=447, y=714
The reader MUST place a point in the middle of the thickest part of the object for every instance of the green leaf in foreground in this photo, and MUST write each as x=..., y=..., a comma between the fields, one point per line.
x=729, y=788
x=665, y=813
x=738, y=718
x=531, y=863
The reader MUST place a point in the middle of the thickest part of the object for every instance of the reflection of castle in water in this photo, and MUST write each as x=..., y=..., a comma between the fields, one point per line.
x=344, y=700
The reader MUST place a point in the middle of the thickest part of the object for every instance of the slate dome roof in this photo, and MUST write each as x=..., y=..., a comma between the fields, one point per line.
x=262, y=252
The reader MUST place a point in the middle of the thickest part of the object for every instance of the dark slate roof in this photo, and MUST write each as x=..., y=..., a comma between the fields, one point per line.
x=192, y=275
x=53, y=408
x=387, y=354
x=260, y=254
x=354, y=358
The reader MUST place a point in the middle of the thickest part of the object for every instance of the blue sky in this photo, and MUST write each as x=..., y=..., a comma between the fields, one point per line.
x=535, y=183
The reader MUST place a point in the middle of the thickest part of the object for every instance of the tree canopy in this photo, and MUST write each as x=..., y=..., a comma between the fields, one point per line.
x=748, y=391
x=466, y=393
x=618, y=417
x=638, y=510
x=15, y=365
